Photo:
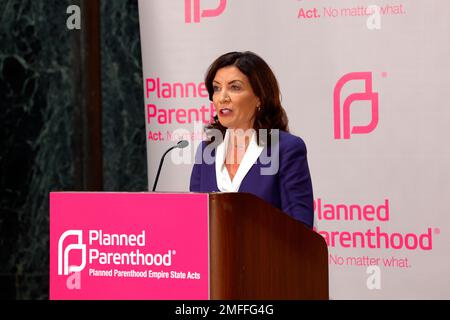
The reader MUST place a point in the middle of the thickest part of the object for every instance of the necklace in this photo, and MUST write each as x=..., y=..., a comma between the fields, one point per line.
x=239, y=146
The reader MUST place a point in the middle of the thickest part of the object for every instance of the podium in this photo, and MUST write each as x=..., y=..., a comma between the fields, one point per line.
x=181, y=246
x=259, y=252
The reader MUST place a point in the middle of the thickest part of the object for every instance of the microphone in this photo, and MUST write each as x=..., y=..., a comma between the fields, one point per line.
x=181, y=144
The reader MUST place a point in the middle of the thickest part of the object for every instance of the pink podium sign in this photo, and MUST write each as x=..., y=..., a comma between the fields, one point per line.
x=122, y=246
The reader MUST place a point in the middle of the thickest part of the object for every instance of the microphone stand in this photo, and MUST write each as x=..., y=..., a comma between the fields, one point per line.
x=181, y=144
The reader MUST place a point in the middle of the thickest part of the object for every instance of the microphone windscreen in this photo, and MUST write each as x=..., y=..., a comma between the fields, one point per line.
x=182, y=144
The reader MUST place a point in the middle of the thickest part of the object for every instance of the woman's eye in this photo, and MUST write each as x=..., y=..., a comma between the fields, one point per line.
x=235, y=87
x=216, y=89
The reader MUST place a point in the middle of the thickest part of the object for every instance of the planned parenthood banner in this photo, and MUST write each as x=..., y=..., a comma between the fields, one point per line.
x=365, y=83
x=111, y=246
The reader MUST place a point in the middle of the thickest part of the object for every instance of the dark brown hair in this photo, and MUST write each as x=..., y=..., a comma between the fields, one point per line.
x=271, y=115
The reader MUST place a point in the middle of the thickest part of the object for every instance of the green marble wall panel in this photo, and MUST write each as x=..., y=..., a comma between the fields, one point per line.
x=36, y=125
x=38, y=97
x=124, y=149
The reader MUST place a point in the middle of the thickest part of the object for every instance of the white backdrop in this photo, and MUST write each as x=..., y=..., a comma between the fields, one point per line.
x=366, y=84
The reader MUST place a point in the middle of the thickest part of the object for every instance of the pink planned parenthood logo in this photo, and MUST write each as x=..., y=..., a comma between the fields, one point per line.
x=192, y=10
x=64, y=268
x=342, y=111
x=124, y=245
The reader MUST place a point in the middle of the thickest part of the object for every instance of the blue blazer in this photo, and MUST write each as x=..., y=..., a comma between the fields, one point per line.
x=289, y=189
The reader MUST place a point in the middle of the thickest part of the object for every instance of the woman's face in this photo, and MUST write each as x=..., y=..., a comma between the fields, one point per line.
x=234, y=99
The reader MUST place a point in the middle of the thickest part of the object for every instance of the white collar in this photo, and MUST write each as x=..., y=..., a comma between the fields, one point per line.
x=252, y=154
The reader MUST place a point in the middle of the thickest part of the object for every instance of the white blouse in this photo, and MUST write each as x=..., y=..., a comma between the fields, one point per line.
x=252, y=154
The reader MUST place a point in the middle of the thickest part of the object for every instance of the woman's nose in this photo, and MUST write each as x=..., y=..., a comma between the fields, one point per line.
x=224, y=97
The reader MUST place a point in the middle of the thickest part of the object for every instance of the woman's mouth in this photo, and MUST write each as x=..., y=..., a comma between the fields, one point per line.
x=225, y=111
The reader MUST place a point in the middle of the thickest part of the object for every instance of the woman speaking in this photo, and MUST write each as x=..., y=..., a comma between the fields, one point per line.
x=249, y=148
